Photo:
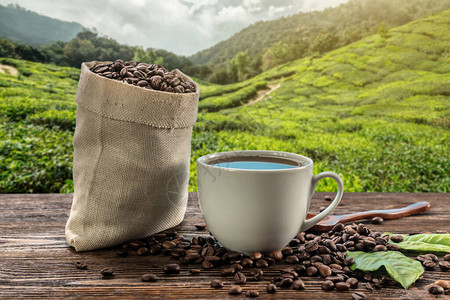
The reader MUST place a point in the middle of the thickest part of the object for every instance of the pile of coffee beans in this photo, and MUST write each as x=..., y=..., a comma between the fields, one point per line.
x=309, y=254
x=149, y=76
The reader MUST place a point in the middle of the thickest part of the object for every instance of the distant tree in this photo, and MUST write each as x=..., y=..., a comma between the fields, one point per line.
x=239, y=66
x=296, y=49
x=220, y=75
x=324, y=42
x=203, y=71
x=7, y=49
x=87, y=34
x=148, y=56
x=55, y=53
x=275, y=55
x=350, y=36
x=383, y=31
x=30, y=53
x=233, y=71
x=77, y=51
x=255, y=65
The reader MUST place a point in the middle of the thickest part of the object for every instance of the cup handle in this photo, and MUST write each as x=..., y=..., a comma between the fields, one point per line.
x=313, y=221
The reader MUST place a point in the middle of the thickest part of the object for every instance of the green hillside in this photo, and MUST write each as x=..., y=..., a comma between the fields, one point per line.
x=20, y=25
x=348, y=21
x=376, y=112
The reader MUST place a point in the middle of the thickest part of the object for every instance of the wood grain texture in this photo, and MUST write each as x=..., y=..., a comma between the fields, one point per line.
x=35, y=260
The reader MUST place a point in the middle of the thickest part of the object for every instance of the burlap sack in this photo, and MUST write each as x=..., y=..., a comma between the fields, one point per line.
x=131, y=161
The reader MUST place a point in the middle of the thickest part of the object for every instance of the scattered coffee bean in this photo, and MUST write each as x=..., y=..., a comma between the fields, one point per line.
x=233, y=255
x=256, y=255
x=311, y=271
x=171, y=269
x=377, y=220
x=327, y=285
x=236, y=267
x=276, y=254
x=288, y=250
x=261, y=263
x=392, y=247
x=292, y=259
x=168, y=245
x=195, y=271
x=298, y=285
x=142, y=251
x=358, y=296
x=311, y=246
x=338, y=227
x=435, y=289
x=444, y=266
x=271, y=288
x=379, y=248
x=81, y=266
x=447, y=257
x=432, y=257
x=353, y=282
x=335, y=279
x=322, y=208
x=247, y=262
x=324, y=271
x=310, y=254
x=342, y=286
x=206, y=264
x=107, y=272
x=235, y=290
x=349, y=261
x=149, y=278
x=328, y=198
x=240, y=278
x=444, y=283
x=396, y=238
x=257, y=274
x=155, y=249
x=212, y=258
x=286, y=282
x=228, y=272
x=200, y=226
x=252, y=293
x=216, y=283
x=429, y=265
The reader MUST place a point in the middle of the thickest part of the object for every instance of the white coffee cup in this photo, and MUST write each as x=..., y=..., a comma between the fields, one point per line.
x=258, y=210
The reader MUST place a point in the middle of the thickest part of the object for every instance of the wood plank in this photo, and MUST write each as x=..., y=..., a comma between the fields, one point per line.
x=35, y=260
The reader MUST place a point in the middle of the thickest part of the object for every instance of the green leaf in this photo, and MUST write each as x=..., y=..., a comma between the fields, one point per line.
x=401, y=268
x=425, y=242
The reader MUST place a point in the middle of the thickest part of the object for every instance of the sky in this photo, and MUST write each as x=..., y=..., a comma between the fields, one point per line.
x=181, y=26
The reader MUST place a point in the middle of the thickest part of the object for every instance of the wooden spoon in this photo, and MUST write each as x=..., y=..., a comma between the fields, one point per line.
x=329, y=221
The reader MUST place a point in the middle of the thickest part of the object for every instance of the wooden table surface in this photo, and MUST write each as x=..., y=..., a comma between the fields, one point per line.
x=35, y=260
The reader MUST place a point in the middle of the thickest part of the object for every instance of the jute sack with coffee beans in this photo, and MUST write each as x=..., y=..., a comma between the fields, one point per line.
x=131, y=158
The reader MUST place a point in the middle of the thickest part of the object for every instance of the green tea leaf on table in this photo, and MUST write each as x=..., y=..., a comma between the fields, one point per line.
x=401, y=268
x=425, y=242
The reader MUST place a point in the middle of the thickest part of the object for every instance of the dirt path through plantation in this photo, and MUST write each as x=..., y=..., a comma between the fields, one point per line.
x=262, y=94
x=5, y=69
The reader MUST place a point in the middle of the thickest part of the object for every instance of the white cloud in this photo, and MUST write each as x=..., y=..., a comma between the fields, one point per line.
x=181, y=26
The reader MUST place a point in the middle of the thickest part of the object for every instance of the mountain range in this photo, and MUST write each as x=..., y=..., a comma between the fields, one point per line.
x=21, y=25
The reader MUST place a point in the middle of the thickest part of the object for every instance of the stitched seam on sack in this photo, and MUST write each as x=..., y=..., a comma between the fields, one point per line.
x=138, y=122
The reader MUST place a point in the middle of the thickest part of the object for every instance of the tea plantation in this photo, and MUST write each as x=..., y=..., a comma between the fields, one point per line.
x=377, y=112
